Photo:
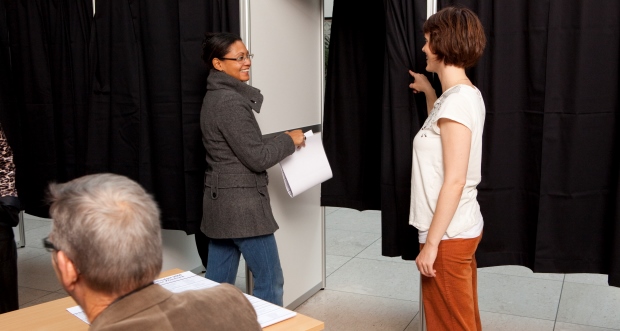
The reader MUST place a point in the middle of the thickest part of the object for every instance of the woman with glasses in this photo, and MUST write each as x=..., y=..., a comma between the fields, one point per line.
x=237, y=215
x=447, y=157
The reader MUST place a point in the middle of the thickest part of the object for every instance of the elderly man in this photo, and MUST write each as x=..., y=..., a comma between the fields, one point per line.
x=106, y=251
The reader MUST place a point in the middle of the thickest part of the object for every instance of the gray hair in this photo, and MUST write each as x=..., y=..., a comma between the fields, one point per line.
x=109, y=227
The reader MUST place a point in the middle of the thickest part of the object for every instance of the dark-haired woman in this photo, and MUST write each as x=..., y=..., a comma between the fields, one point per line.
x=237, y=215
x=446, y=171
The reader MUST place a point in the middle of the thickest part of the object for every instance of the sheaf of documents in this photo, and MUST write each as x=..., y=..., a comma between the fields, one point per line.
x=266, y=312
x=307, y=167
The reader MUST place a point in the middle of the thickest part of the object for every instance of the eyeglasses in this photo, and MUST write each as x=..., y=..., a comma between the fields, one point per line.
x=239, y=59
x=48, y=245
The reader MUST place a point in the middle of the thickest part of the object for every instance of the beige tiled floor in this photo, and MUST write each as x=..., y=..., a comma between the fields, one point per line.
x=367, y=291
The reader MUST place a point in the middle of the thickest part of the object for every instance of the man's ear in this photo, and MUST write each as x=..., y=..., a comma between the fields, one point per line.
x=67, y=270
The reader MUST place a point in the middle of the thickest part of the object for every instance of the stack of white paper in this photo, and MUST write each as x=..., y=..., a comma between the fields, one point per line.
x=267, y=313
x=306, y=167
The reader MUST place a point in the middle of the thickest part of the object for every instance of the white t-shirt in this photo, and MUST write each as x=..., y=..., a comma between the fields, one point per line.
x=463, y=104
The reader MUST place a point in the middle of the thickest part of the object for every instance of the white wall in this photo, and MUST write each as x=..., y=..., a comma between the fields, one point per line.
x=286, y=37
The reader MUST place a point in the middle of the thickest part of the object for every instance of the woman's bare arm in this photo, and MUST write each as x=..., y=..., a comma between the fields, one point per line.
x=456, y=144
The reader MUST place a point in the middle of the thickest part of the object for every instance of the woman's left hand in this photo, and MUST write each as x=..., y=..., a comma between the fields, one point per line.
x=426, y=259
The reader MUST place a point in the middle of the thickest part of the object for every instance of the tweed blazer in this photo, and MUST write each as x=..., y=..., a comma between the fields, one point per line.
x=236, y=201
x=219, y=308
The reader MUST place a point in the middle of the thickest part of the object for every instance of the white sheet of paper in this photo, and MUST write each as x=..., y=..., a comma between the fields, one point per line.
x=306, y=167
x=267, y=313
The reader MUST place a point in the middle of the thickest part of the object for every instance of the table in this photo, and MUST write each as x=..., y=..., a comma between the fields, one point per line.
x=53, y=315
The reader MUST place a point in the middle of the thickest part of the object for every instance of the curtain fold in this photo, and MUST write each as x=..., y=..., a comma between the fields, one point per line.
x=7, y=92
x=48, y=43
x=403, y=113
x=120, y=92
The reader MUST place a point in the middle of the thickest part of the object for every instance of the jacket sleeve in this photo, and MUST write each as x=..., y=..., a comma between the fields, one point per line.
x=239, y=128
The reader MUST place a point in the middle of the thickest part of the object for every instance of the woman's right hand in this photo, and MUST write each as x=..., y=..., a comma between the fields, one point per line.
x=298, y=137
x=426, y=259
x=420, y=83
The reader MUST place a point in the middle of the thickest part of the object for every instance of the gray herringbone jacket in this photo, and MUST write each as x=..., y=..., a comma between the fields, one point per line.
x=236, y=200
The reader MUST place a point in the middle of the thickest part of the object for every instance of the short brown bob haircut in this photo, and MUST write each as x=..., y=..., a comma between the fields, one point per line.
x=456, y=36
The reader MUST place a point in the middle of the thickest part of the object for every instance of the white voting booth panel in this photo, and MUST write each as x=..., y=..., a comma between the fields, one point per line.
x=286, y=38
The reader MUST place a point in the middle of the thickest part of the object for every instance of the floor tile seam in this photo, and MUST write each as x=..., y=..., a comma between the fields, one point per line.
x=39, y=245
x=371, y=295
x=366, y=218
x=349, y=230
x=372, y=243
x=387, y=257
x=354, y=221
x=38, y=289
x=590, y=284
x=414, y=316
x=557, y=309
x=482, y=269
x=521, y=276
x=327, y=276
x=34, y=227
x=24, y=259
x=36, y=218
x=359, y=257
x=341, y=255
x=516, y=315
x=38, y=297
x=41, y=248
x=34, y=230
x=32, y=288
x=598, y=327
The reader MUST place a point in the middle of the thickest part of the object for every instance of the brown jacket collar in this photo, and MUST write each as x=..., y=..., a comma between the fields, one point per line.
x=132, y=304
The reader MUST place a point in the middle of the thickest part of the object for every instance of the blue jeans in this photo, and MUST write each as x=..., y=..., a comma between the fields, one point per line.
x=261, y=256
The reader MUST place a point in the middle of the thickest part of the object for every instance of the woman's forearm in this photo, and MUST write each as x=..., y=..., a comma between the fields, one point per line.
x=431, y=97
x=447, y=203
x=455, y=140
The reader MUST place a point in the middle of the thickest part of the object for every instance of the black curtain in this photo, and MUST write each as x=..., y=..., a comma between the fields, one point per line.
x=48, y=43
x=353, y=96
x=120, y=92
x=551, y=159
x=403, y=115
x=550, y=190
x=371, y=115
x=6, y=88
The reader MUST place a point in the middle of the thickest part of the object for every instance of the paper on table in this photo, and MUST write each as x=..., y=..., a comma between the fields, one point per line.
x=267, y=313
x=79, y=313
x=306, y=167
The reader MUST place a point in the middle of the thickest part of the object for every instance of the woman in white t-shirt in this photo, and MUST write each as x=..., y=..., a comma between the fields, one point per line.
x=447, y=153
